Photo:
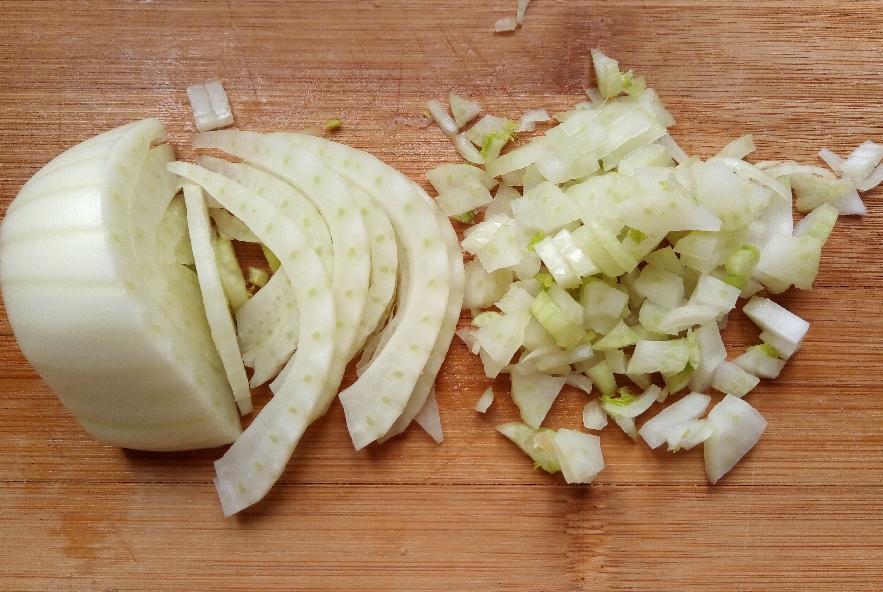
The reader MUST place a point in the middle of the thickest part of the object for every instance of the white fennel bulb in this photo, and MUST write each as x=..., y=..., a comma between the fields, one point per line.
x=100, y=306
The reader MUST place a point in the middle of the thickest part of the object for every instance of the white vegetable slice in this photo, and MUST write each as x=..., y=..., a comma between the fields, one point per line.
x=218, y=315
x=737, y=428
x=534, y=395
x=485, y=400
x=594, y=416
x=689, y=407
x=379, y=396
x=256, y=460
x=449, y=323
x=117, y=331
x=328, y=192
x=579, y=455
x=211, y=109
x=429, y=419
x=285, y=197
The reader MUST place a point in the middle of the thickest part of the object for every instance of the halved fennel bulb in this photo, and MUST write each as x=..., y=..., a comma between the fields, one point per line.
x=99, y=303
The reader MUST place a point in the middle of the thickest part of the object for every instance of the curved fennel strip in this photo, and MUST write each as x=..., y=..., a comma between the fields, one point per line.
x=216, y=311
x=384, y=265
x=268, y=328
x=329, y=193
x=256, y=460
x=374, y=402
x=425, y=384
x=281, y=194
x=115, y=329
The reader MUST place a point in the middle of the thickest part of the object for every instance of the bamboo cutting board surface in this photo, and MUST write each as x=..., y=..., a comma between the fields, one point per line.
x=800, y=512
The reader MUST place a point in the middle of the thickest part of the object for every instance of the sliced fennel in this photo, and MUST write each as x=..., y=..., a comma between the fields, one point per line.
x=218, y=315
x=252, y=465
x=377, y=399
x=112, y=321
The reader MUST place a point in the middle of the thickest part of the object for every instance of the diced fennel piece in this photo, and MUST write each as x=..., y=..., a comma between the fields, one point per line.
x=818, y=223
x=110, y=319
x=603, y=304
x=502, y=337
x=564, y=273
x=861, y=161
x=580, y=381
x=737, y=428
x=735, y=200
x=517, y=159
x=627, y=405
x=603, y=378
x=441, y=117
x=682, y=317
x=738, y=148
x=470, y=194
x=691, y=406
x=503, y=249
x=483, y=288
x=660, y=204
x=211, y=109
x=467, y=150
x=558, y=322
x=545, y=207
x=775, y=319
x=485, y=400
x=579, y=455
x=627, y=425
x=594, y=416
x=480, y=235
x=428, y=417
x=617, y=359
x=491, y=133
x=463, y=110
x=740, y=265
x=534, y=395
x=448, y=175
x=710, y=290
x=761, y=361
x=618, y=337
x=581, y=263
x=541, y=450
x=731, y=379
x=648, y=155
x=528, y=121
x=502, y=203
x=787, y=260
x=251, y=466
x=711, y=353
x=216, y=311
x=329, y=193
x=667, y=357
x=229, y=272
x=702, y=251
x=429, y=308
x=811, y=191
x=688, y=434
x=783, y=346
x=607, y=74
x=659, y=286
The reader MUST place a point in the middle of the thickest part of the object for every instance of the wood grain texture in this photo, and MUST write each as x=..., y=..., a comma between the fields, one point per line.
x=801, y=512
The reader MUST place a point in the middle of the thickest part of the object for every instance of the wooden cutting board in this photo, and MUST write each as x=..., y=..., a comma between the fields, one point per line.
x=800, y=512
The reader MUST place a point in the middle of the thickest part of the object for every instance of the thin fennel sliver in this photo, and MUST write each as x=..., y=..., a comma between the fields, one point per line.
x=255, y=461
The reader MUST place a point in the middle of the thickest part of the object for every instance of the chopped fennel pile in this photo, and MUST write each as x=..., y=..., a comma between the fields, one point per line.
x=140, y=319
x=602, y=256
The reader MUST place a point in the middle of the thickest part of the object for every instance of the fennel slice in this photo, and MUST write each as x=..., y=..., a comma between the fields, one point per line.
x=216, y=310
x=329, y=193
x=255, y=461
x=374, y=402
